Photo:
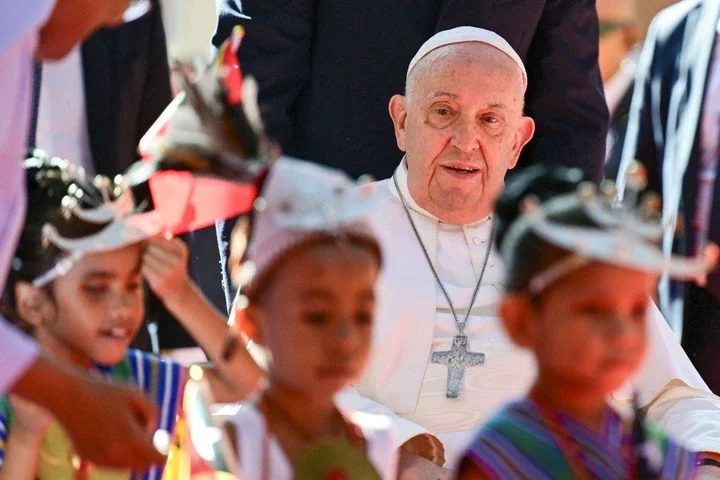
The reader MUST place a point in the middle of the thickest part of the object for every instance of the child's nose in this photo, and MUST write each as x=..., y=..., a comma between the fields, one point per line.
x=622, y=328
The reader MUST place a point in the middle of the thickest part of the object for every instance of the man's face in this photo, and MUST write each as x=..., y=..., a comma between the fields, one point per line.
x=461, y=127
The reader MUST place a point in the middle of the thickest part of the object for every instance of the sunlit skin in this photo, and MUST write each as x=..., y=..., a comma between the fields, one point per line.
x=588, y=333
x=96, y=309
x=315, y=318
x=461, y=126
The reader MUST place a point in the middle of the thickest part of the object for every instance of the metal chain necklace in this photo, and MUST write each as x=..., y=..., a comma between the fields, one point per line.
x=458, y=357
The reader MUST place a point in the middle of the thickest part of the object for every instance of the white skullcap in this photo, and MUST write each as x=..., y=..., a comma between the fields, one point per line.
x=468, y=34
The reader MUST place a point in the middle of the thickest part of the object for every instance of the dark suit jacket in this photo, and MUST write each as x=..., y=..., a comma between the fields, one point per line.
x=665, y=115
x=127, y=87
x=327, y=70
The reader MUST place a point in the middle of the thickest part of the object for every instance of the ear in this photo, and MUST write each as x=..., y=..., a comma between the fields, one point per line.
x=398, y=113
x=32, y=304
x=525, y=131
x=247, y=320
x=516, y=313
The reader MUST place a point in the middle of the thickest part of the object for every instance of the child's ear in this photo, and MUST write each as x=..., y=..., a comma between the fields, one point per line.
x=32, y=304
x=247, y=321
x=516, y=312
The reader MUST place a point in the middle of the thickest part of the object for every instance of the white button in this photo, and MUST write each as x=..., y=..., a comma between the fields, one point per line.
x=477, y=241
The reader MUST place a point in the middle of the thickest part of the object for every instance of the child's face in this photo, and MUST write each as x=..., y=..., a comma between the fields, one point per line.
x=589, y=330
x=316, y=317
x=99, y=305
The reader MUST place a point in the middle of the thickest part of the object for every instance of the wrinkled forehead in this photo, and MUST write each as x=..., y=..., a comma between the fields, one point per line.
x=457, y=66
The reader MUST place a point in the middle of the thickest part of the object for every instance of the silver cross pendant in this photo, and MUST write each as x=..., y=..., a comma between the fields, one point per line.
x=457, y=359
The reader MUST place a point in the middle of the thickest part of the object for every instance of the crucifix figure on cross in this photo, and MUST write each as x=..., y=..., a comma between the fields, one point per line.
x=457, y=359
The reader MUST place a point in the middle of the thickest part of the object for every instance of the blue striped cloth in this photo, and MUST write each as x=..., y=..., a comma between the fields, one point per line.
x=161, y=379
x=516, y=444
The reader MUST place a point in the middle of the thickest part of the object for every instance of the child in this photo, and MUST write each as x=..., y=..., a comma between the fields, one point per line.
x=578, y=283
x=311, y=305
x=77, y=287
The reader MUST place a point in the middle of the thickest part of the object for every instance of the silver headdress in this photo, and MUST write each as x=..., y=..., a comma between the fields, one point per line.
x=626, y=234
x=94, y=200
x=301, y=200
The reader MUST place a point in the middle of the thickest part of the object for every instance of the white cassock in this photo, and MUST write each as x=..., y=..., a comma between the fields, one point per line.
x=413, y=320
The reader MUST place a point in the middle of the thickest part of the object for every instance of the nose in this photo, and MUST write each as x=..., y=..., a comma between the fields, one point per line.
x=345, y=337
x=123, y=305
x=465, y=136
x=622, y=329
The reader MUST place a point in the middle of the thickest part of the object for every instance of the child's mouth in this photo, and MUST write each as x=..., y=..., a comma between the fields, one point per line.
x=116, y=333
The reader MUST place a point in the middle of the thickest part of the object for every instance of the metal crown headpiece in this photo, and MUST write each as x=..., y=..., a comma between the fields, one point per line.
x=111, y=208
x=625, y=234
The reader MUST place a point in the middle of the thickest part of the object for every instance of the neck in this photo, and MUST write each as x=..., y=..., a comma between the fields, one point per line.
x=59, y=350
x=584, y=405
x=316, y=416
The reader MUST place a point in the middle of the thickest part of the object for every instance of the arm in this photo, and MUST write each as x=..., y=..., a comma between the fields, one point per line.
x=673, y=395
x=565, y=94
x=120, y=440
x=165, y=268
x=19, y=455
x=276, y=51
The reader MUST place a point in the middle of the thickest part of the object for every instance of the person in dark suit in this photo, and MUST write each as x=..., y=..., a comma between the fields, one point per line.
x=673, y=129
x=327, y=70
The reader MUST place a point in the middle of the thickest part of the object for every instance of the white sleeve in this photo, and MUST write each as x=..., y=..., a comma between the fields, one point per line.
x=17, y=352
x=672, y=393
x=403, y=430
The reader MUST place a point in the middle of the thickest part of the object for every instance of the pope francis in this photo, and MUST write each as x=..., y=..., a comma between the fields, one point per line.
x=441, y=362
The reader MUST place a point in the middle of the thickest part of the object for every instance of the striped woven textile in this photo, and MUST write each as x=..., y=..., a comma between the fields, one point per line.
x=162, y=380
x=516, y=444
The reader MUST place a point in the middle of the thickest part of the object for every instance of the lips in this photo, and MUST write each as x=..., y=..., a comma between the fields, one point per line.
x=461, y=169
x=336, y=373
x=117, y=333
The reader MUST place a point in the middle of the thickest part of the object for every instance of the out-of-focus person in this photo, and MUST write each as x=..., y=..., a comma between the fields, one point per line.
x=674, y=130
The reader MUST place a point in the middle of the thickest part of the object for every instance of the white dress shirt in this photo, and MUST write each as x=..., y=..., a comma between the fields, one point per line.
x=62, y=127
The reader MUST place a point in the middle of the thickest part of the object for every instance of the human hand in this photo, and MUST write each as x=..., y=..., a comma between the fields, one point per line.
x=111, y=425
x=71, y=21
x=164, y=266
x=414, y=467
x=30, y=421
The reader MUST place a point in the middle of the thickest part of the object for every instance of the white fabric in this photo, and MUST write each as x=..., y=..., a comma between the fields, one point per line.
x=19, y=24
x=408, y=328
x=468, y=34
x=189, y=28
x=62, y=121
x=251, y=430
x=620, y=83
x=299, y=200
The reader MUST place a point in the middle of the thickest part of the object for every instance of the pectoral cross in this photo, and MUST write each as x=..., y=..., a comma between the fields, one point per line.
x=457, y=359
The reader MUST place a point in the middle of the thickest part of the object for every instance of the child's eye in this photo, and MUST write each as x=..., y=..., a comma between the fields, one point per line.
x=317, y=318
x=364, y=318
x=95, y=289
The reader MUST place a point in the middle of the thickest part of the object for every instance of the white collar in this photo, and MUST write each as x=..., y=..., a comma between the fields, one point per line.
x=401, y=174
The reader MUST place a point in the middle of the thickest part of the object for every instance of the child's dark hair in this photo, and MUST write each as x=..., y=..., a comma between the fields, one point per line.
x=531, y=254
x=260, y=283
x=48, y=181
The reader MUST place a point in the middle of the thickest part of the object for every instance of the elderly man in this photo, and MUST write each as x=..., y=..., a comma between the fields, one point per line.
x=442, y=362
